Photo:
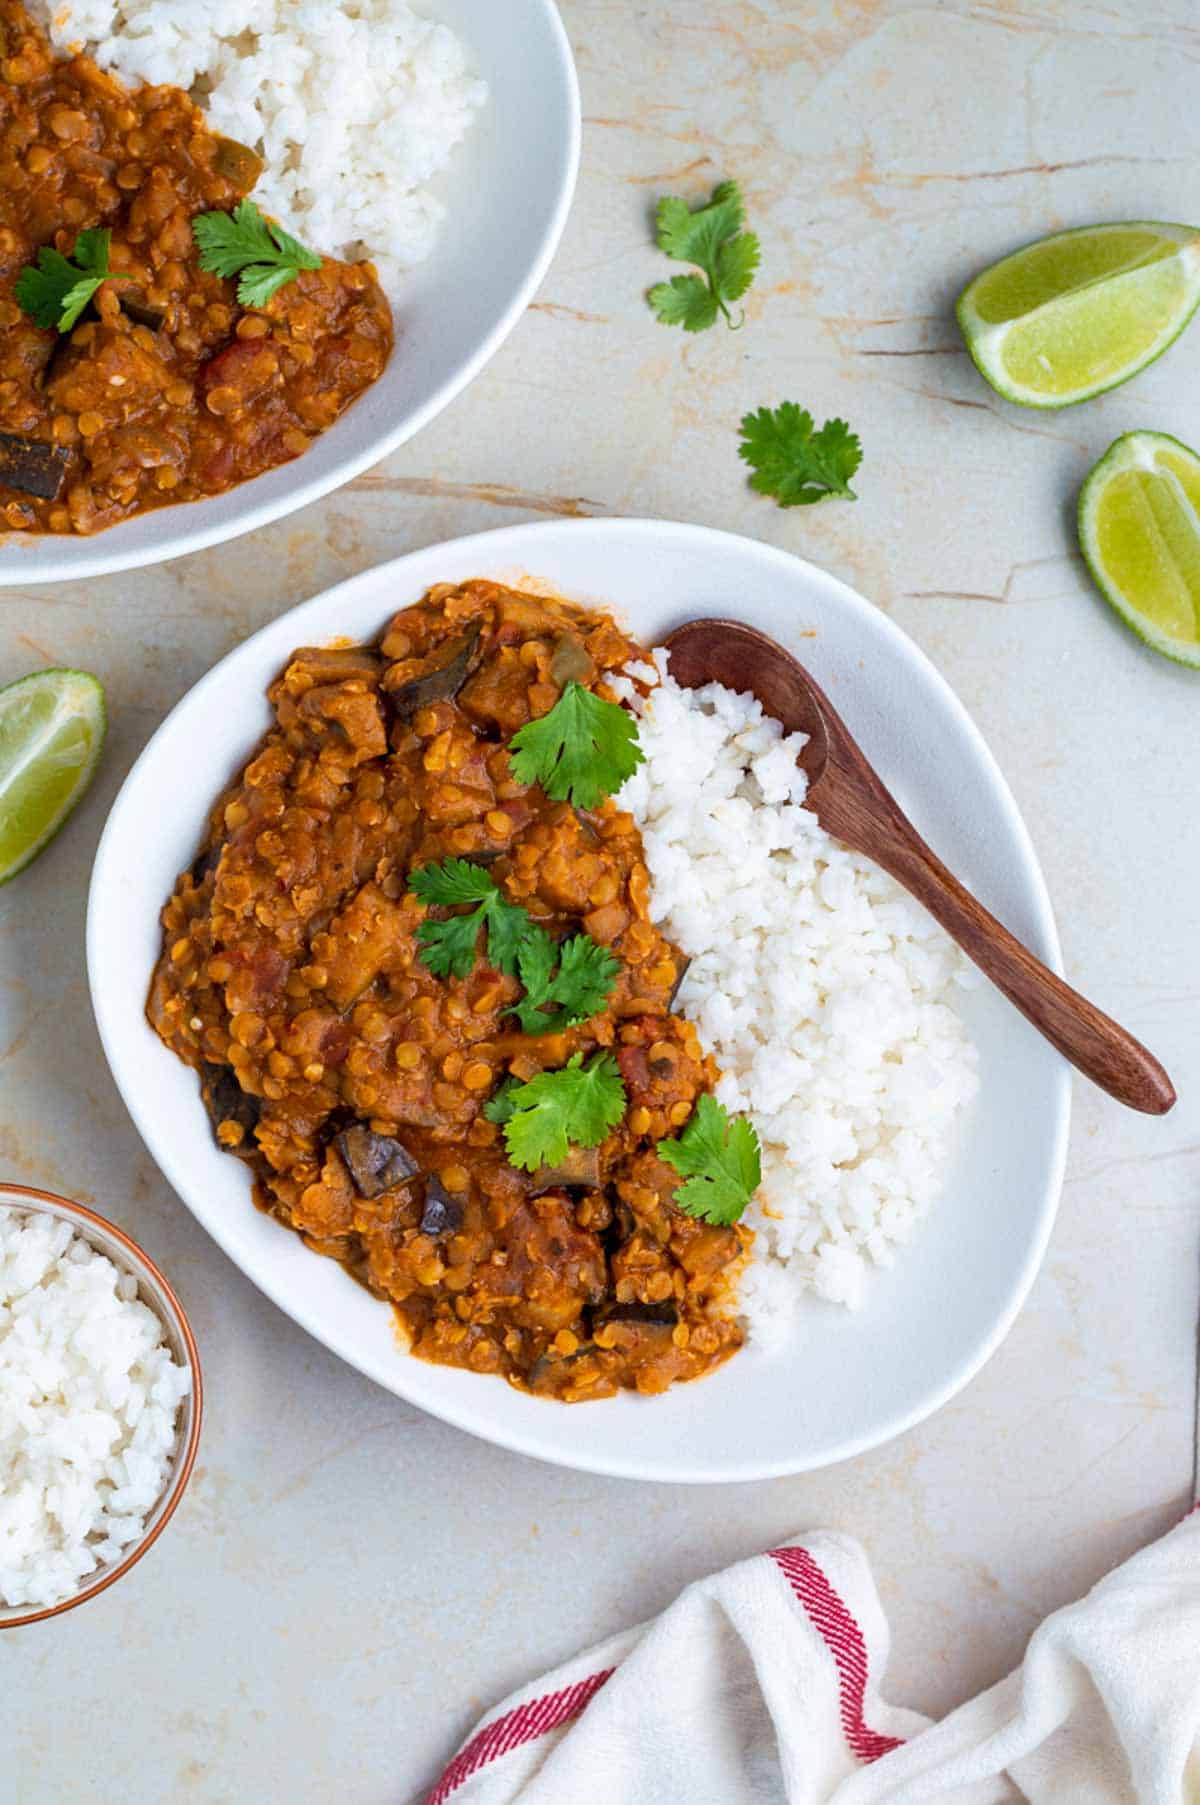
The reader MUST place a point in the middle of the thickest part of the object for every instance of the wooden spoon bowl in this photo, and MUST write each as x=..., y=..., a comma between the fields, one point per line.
x=852, y=803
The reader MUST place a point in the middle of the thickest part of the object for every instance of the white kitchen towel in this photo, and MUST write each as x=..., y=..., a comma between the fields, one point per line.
x=760, y=1686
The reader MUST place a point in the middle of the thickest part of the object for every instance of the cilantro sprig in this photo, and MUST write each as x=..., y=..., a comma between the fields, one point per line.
x=564, y=984
x=794, y=463
x=55, y=293
x=577, y=1106
x=582, y=751
x=258, y=251
x=712, y=238
x=448, y=947
x=720, y=1160
x=557, y=1000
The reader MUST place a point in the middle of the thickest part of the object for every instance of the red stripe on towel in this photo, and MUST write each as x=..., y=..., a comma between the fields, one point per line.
x=840, y=1632
x=523, y=1724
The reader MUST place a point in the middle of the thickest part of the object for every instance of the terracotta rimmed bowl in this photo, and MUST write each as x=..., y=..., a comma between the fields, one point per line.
x=157, y=1292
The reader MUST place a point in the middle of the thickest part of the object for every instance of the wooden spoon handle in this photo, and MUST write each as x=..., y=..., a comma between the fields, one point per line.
x=1091, y=1040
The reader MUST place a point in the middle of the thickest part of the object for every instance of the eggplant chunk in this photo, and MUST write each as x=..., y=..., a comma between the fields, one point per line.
x=666, y=1314
x=549, y=1369
x=440, y=681
x=570, y=661
x=637, y=1331
x=226, y=1101
x=375, y=1162
x=32, y=466
x=237, y=162
x=442, y=1214
x=337, y=664
x=135, y=307
x=581, y=1167
x=204, y=862
x=681, y=972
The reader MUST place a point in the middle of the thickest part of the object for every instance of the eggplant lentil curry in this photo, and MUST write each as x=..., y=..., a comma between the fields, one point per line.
x=167, y=388
x=478, y=1139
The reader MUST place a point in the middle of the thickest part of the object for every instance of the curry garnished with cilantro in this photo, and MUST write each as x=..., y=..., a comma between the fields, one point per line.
x=415, y=967
x=162, y=340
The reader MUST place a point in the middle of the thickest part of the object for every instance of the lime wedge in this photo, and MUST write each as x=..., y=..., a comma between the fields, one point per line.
x=1076, y=314
x=51, y=732
x=1139, y=527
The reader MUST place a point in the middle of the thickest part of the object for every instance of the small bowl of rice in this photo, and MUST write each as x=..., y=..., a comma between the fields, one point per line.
x=100, y=1404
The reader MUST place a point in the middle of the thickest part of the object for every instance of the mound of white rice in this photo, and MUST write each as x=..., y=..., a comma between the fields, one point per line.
x=89, y=1400
x=825, y=993
x=356, y=105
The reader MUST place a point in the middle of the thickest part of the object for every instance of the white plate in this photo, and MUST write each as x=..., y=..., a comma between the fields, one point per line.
x=854, y=1380
x=508, y=191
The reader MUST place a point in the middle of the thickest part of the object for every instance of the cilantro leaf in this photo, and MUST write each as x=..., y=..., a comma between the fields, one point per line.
x=792, y=462
x=500, y=1106
x=694, y=237
x=685, y=301
x=712, y=239
x=260, y=282
x=448, y=947
x=55, y=293
x=737, y=265
x=535, y=966
x=581, y=751
x=587, y=973
x=579, y=1105
x=719, y=1158
x=509, y=929
x=580, y=988
x=245, y=244
x=453, y=881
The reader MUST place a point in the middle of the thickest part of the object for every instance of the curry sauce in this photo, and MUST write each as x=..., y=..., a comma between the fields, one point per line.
x=353, y=1080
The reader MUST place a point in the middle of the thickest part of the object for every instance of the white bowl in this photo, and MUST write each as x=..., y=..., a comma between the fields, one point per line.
x=854, y=1380
x=156, y=1292
x=508, y=193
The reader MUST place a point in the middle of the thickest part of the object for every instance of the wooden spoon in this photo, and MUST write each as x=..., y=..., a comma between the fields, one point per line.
x=851, y=803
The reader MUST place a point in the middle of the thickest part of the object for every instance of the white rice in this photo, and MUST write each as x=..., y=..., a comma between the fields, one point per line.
x=826, y=994
x=89, y=1400
x=356, y=105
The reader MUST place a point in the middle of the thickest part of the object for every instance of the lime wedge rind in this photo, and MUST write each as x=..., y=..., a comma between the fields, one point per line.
x=52, y=726
x=1135, y=451
x=985, y=340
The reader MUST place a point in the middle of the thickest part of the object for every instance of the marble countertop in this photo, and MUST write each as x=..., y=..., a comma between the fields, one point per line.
x=348, y=1581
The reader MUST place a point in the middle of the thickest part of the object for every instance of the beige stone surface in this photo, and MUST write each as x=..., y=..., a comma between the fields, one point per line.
x=349, y=1582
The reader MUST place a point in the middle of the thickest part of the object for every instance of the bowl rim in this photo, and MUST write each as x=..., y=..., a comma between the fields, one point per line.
x=516, y=547
x=179, y=544
x=187, y=1459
